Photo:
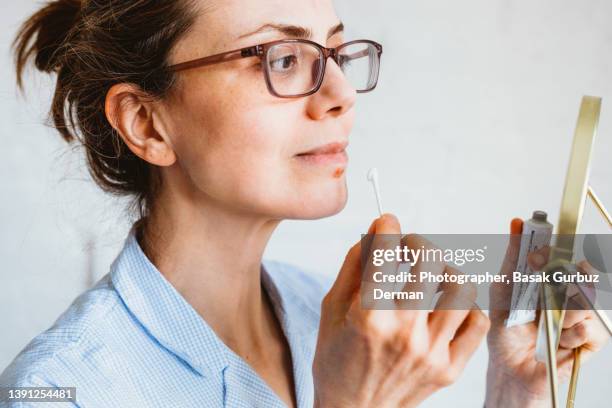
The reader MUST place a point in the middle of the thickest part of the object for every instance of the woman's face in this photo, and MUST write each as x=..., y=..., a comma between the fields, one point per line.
x=241, y=146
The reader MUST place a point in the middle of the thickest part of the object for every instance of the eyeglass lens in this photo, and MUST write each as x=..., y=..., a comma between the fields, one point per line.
x=296, y=68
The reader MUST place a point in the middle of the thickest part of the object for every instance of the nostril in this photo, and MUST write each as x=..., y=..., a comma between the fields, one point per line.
x=337, y=111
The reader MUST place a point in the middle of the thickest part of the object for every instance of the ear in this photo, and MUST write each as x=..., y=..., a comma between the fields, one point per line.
x=134, y=118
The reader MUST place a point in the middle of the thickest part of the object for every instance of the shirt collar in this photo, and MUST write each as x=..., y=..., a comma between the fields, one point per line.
x=173, y=322
x=163, y=312
x=294, y=308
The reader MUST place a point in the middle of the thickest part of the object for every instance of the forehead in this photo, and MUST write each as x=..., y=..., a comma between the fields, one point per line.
x=220, y=23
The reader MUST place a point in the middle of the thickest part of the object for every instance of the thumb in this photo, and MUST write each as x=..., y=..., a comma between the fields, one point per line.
x=349, y=279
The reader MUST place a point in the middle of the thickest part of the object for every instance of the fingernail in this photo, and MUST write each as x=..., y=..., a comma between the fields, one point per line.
x=516, y=226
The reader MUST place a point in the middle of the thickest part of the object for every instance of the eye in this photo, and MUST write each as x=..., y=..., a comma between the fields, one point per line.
x=284, y=58
x=283, y=63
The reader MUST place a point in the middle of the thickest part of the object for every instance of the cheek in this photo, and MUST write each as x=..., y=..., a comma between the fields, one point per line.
x=240, y=152
x=234, y=152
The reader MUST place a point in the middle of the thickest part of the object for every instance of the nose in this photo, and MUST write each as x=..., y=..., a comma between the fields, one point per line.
x=336, y=95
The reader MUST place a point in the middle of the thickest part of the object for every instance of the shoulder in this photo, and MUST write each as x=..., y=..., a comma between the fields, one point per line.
x=56, y=355
x=309, y=285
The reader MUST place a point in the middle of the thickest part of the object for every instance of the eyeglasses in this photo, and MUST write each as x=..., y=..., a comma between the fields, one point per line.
x=296, y=67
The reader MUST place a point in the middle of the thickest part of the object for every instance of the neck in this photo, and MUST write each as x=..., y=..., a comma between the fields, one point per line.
x=212, y=255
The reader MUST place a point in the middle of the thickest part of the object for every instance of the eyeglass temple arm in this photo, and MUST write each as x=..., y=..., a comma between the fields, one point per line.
x=355, y=55
x=217, y=58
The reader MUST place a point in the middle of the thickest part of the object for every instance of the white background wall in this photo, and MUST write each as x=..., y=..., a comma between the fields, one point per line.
x=471, y=125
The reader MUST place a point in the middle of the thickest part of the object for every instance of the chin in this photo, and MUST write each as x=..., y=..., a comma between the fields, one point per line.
x=322, y=203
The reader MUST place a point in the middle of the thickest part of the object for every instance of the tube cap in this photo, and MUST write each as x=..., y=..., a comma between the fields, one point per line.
x=539, y=215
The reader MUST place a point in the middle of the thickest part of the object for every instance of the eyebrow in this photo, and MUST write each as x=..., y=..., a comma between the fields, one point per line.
x=293, y=30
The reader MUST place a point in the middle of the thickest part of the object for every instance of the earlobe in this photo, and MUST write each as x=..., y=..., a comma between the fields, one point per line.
x=131, y=115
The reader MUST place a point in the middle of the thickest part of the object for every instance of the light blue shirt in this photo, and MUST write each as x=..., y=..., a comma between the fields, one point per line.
x=134, y=341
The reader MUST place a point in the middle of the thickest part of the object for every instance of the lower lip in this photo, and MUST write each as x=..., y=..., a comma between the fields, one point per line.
x=339, y=158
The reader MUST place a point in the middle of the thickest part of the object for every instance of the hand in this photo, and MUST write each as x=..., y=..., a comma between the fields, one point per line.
x=388, y=358
x=514, y=377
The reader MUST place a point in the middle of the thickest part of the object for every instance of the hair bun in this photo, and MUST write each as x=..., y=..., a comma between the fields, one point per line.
x=44, y=34
x=91, y=46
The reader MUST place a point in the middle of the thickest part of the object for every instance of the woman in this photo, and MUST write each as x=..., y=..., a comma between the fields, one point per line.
x=220, y=130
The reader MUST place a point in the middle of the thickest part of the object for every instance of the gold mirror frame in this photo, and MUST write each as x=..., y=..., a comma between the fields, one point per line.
x=574, y=198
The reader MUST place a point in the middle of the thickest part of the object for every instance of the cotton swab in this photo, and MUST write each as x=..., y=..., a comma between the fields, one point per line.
x=373, y=178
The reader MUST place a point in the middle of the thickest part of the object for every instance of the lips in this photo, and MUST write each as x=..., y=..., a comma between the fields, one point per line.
x=330, y=148
x=331, y=153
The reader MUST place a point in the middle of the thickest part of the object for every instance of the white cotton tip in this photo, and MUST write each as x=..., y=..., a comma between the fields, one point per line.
x=373, y=175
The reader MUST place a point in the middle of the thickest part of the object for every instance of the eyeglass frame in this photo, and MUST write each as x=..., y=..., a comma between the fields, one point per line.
x=261, y=51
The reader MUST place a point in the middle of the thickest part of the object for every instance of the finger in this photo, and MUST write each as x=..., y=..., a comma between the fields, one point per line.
x=386, y=240
x=572, y=317
x=581, y=296
x=468, y=337
x=385, y=236
x=585, y=267
x=589, y=334
x=366, y=240
x=576, y=300
x=514, y=247
x=463, y=295
x=587, y=290
x=565, y=360
x=516, y=227
x=444, y=323
x=575, y=336
x=451, y=309
x=349, y=278
x=425, y=262
x=500, y=293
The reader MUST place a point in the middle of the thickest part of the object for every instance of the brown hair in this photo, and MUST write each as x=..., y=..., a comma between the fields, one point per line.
x=92, y=45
